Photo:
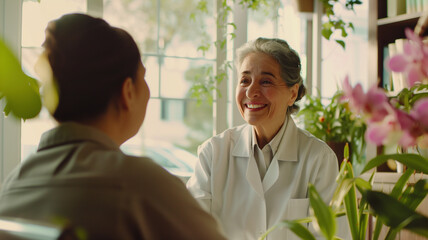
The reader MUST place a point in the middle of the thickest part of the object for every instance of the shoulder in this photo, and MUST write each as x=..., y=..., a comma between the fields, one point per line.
x=227, y=137
x=314, y=146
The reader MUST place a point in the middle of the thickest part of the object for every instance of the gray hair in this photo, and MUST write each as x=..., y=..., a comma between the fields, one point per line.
x=287, y=58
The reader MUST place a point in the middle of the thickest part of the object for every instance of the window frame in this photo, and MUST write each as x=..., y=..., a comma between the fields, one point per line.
x=10, y=127
x=225, y=112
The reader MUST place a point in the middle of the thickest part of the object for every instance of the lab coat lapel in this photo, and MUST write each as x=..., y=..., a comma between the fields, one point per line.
x=243, y=149
x=253, y=176
x=287, y=151
x=271, y=175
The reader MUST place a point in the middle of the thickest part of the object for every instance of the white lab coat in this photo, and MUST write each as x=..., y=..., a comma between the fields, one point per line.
x=227, y=182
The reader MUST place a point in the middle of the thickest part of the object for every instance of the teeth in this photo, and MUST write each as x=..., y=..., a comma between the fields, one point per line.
x=255, y=105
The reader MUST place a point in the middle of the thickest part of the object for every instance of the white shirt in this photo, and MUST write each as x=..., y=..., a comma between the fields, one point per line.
x=228, y=184
x=264, y=156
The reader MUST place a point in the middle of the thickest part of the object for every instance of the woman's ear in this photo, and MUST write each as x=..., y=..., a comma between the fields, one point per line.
x=127, y=94
x=294, y=90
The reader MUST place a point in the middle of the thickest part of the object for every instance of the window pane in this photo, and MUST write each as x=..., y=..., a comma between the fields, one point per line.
x=37, y=14
x=186, y=129
x=261, y=22
x=177, y=76
x=152, y=74
x=138, y=17
x=353, y=59
x=171, y=133
x=178, y=29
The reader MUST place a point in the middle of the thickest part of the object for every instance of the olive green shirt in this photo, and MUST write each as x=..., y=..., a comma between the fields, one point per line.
x=79, y=175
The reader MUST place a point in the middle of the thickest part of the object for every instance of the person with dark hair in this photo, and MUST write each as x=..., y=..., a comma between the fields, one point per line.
x=253, y=176
x=79, y=175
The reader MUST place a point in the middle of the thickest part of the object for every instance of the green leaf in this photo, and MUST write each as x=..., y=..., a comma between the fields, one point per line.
x=326, y=33
x=395, y=214
x=324, y=215
x=401, y=183
x=341, y=191
x=341, y=43
x=411, y=160
x=350, y=202
x=416, y=195
x=20, y=91
x=295, y=226
x=298, y=229
x=346, y=151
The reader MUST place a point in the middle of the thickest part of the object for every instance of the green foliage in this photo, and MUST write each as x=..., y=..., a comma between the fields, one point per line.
x=334, y=122
x=413, y=161
x=335, y=23
x=20, y=91
x=205, y=88
x=323, y=214
x=395, y=210
x=396, y=214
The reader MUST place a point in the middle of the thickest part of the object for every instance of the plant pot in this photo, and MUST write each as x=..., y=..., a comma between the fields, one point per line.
x=338, y=149
x=305, y=6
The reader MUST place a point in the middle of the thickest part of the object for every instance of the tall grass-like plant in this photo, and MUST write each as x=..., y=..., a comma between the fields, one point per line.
x=395, y=210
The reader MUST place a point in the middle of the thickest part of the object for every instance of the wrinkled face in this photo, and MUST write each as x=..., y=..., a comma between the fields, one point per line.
x=261, y=95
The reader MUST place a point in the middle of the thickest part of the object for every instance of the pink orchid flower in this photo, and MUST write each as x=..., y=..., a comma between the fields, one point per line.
x=374, y=105
x=386, y=124
x=410, y=128
x=383, y=132
x=413, y=62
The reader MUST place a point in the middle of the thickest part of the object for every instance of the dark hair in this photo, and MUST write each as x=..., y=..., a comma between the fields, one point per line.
x=288, y=59
x=90, y=61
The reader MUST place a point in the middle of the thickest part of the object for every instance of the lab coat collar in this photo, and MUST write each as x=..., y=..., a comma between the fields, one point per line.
x=243, y=145
x=287, y=149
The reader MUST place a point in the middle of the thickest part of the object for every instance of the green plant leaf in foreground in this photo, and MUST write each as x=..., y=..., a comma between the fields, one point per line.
x=295, y=226
x=411, y=160
x=351, y=206
x=395, y=214
x=20, y=91
x=323, y=213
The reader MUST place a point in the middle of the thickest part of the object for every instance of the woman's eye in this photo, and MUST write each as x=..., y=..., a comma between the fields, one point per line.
x=267, y=82
x=244, y=81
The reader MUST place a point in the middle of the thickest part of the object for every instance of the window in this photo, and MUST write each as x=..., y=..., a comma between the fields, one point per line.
x=165, y=36
x=353, y=60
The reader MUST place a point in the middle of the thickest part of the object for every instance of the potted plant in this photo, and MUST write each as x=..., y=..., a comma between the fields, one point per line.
x=335, y=124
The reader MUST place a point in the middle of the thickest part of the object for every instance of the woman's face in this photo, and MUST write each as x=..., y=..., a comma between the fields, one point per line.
x=261, y=95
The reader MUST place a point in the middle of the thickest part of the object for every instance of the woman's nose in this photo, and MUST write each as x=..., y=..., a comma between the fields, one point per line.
x=253, y=91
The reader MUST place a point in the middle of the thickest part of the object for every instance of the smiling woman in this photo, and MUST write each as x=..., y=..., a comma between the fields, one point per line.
x=262, y=96
x=254, y=175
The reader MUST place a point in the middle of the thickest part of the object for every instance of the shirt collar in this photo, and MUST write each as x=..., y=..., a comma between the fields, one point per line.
x=74, y=132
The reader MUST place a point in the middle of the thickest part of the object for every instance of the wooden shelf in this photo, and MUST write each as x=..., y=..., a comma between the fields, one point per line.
x=400, y=19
